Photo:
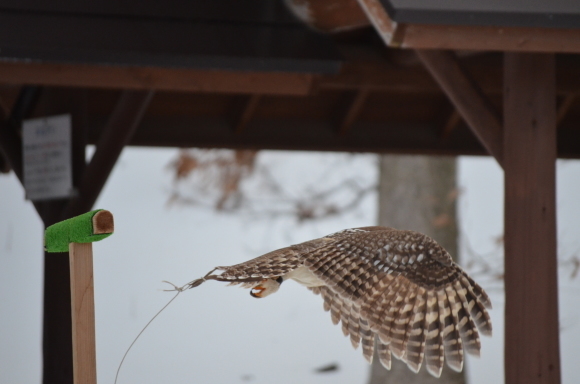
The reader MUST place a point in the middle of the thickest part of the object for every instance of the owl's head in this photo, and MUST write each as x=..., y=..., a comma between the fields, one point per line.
x=266, y=287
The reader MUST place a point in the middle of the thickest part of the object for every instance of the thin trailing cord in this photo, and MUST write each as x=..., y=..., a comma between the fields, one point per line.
x=192, y=284
x=143, y=330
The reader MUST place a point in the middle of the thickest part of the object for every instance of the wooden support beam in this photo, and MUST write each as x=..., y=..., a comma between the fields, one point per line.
x=4, y=159
x=467, y=98
x=532, y=353
x=387, y=29
x=10, y=140
x=490, y=38
x=565, y=107
x=25, y=104
x=450, y=124
x=247, y=113
x=83, y=313
x=118, y=132
x=4, y=162
x=57, y=356
x=353, y=110
x=11, y=148
x=145, y=78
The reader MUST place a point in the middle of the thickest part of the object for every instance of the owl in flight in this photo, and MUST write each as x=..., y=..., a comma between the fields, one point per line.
x=397, y=287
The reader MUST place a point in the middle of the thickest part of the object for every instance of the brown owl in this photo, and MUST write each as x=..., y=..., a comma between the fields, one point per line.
x=397, y=288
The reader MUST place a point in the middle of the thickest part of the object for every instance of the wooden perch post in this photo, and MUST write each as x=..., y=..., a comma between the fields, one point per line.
x=76, y=236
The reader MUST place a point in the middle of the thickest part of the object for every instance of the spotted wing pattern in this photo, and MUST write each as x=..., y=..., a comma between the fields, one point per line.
x=403, y=288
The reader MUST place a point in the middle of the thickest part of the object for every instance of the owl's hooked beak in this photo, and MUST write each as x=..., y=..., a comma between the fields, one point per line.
x=266, y=287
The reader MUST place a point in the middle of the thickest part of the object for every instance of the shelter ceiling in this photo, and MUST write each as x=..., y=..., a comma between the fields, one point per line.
x=273, y=84
x=399, y=110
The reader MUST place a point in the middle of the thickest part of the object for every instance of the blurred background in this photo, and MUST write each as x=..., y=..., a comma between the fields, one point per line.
x=217, y=131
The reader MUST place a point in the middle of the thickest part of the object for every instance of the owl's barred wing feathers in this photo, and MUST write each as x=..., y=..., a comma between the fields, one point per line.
x=271, y=265
x=411, y=293
x=268, y=266
x=399, y=288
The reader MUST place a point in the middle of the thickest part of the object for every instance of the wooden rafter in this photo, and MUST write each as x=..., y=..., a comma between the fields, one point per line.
x=565, y=107
x=247, y=113
x=450, y=124
x=385, y=27
x=353, y=110
x=118, y=132
x=467, y=97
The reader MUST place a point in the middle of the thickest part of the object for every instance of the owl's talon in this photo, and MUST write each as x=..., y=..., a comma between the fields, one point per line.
x=265, y=288
x=257, y=291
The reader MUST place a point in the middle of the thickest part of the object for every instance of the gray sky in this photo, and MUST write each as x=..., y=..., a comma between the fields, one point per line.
x=218, y=334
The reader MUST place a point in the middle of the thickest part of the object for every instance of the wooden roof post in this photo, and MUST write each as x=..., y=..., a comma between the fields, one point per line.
x=532, y=353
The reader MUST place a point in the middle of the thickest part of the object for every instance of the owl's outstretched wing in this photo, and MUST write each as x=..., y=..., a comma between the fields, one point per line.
x=403, y=288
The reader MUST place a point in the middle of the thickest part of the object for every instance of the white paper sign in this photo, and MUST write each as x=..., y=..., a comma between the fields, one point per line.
x=47, y=157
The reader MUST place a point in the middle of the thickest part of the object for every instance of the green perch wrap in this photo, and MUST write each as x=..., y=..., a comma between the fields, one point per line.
x=78, y=229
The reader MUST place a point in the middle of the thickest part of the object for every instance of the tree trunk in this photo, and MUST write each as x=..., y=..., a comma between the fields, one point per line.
x=418, y=193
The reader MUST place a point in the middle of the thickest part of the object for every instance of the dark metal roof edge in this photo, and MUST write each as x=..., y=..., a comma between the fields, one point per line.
x=488, y=19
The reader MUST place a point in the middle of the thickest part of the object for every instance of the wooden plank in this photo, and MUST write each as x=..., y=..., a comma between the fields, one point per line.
x=421, y=36
x=467, y=97
x=484, y=38
x=119, y=130
x=83, y=313
x=532, y=354
x=144, y=78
